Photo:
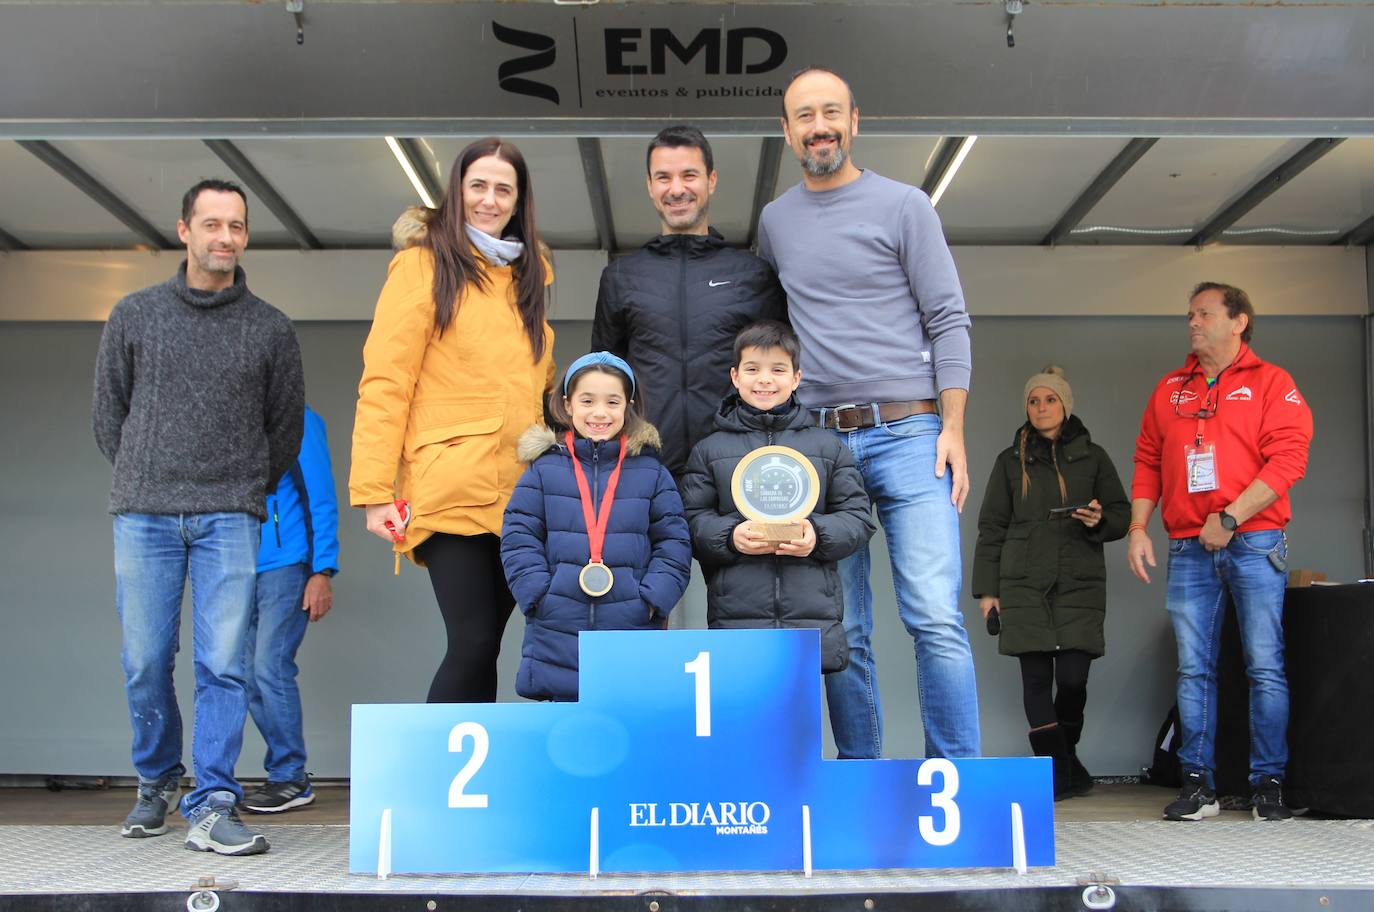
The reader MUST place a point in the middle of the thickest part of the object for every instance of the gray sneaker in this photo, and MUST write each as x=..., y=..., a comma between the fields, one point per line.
x=215, y=827
x=149, y=816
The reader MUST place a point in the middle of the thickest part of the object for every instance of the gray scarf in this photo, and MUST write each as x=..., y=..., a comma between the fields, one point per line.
x=498, y=252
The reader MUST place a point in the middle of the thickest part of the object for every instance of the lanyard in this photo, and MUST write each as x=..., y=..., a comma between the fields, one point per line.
x=596, y=525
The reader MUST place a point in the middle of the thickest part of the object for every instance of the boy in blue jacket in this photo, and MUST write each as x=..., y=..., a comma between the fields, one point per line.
x=297, y=558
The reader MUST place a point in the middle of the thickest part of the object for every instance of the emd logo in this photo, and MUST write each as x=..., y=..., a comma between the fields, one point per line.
x=509, y=74
x=742, y=48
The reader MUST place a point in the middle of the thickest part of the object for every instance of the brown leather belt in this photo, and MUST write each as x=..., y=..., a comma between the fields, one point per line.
x=871, y=414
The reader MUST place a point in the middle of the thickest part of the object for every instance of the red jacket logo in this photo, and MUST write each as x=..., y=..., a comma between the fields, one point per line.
x=1178, y=397
x=1293, y=397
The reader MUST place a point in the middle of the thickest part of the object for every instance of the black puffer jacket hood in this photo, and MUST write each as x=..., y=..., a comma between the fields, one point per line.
x=673, y=309
x=753, y=591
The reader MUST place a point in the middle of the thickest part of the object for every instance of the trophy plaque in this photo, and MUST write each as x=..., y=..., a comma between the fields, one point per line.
x=776, y=487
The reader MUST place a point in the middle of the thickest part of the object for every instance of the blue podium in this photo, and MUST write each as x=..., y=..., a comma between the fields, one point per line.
x=692, y=750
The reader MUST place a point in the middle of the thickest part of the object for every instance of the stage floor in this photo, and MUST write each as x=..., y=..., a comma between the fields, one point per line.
x=67, y=842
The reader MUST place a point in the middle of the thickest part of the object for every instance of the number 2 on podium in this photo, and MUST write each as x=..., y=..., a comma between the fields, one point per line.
x=700, y=668
x=481, y=741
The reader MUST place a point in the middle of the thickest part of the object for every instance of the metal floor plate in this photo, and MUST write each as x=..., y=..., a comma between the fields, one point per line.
x=314, y=859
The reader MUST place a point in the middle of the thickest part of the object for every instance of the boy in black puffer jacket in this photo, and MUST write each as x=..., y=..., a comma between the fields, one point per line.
x=752, y=582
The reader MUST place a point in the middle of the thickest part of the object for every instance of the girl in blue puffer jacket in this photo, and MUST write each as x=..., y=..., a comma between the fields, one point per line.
x=594, y=537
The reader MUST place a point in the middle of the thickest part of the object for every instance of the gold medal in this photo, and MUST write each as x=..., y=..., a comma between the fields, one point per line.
x=596, y=579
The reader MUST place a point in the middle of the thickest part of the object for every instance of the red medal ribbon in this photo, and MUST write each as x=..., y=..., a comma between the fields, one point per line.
x=596, y=525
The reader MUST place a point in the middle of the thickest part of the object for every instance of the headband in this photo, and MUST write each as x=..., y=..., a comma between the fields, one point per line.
x=601, y=357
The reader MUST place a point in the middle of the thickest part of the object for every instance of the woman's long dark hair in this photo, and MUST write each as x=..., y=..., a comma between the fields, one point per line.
x=456, y=263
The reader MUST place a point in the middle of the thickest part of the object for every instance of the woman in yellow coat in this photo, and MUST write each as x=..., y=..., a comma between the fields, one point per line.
x=455, y=368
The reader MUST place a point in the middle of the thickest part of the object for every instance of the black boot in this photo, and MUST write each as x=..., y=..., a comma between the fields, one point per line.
x=1080, y=780
x=1049, y=742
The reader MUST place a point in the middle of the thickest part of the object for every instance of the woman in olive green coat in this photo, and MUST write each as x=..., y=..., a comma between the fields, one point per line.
x=1038, y=569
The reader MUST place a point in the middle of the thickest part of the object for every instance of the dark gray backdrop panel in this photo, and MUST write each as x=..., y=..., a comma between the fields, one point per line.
x=60, y=653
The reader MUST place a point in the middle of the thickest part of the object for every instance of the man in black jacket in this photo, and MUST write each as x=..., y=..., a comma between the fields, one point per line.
x=673, y=308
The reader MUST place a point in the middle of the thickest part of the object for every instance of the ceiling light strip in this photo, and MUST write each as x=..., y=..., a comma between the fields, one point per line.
x=409, y=168
x=948, y=177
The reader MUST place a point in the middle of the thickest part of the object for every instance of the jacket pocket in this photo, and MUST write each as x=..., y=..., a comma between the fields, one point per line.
x=456, y=455
x=1013, y=562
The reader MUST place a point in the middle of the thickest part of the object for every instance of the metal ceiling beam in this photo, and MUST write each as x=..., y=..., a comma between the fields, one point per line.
x=1100, y=186
x=9, y=242
x=1261, y=191
x=419, y=163
x=766, y=187
x=940, y=162
x=262, y=188
x=1361, y=234
x=49, y=155
x=598, y=190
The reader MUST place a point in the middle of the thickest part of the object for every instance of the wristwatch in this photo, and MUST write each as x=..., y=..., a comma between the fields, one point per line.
x=1228, y=522
x=328, y=571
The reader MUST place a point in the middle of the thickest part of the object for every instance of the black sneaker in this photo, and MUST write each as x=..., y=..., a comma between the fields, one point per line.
x=1196, y=799
x=1267, y=800
x=275, y=797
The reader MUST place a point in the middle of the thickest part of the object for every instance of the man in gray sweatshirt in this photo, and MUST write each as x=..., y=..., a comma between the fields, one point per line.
x=873, y=294
x=199, y=404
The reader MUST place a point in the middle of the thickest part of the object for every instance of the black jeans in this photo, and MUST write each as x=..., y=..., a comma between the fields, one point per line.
x=1041, y=672
x=465, y=571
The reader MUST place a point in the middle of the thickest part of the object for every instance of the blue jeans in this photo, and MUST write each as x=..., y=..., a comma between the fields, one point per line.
x=153, y=555
x=1198, y=582
x=269, y=664
x=897, y=462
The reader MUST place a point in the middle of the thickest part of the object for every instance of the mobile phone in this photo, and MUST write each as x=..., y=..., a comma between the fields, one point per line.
x=1066, y=512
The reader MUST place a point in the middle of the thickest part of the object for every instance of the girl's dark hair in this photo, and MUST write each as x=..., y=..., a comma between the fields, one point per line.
x=456, y=263
x=634, y=408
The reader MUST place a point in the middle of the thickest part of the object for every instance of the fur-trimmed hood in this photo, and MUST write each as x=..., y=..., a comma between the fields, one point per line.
x=539, y=439
x=411, y=228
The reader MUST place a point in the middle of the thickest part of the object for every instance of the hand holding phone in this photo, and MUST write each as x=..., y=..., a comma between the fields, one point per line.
x=1067, y=512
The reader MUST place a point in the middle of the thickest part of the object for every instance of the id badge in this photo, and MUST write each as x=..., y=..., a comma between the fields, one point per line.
x=1202, y=468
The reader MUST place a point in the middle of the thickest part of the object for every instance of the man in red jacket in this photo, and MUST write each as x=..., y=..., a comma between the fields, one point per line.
x=1221, y=442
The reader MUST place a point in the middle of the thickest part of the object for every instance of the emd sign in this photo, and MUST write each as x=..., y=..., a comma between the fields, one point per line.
x=747, y=50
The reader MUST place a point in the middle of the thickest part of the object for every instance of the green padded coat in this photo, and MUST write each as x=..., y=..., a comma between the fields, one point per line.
x=1048, y=573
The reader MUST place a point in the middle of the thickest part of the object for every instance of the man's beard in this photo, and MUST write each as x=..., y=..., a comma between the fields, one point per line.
x=821, y=167
x=209, y=263
x=696, y=215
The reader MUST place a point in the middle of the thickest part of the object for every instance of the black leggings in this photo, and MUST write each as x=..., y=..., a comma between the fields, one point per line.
x=1040, y=672
x=470, y=585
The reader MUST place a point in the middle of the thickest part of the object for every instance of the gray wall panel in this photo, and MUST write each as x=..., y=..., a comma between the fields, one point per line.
x=59, y=663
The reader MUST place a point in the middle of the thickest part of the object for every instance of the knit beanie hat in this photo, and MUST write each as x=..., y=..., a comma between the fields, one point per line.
x=1051, y=378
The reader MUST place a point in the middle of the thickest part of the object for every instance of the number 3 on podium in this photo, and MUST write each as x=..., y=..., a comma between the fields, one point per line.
x=943, y=800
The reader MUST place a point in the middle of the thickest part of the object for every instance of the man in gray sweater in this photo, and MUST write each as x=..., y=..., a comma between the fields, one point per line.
x=873, y=294
x=199, y=403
